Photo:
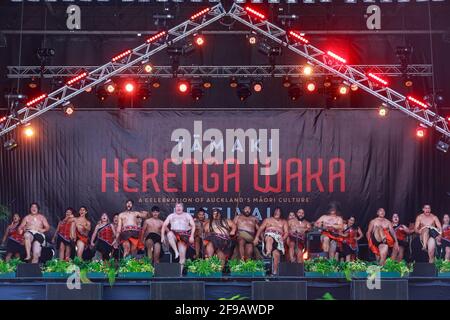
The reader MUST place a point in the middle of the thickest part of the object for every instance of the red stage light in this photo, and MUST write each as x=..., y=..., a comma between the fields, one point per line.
x=36, y=100
x=156, y=36
x=255, y=13
x=120, y=56
x=448, y=118
x=420, y=132
x=257, y=86
x=183, y=86
x=199, y=40
x=129, y=87
x=418, y=102
x=28, y=131
x=311, y=86
x=343, y=89
x=77, y=78
x=377, y=79
x=110, y=87
x=336, y=57
x=298, y=37
x=200, y=13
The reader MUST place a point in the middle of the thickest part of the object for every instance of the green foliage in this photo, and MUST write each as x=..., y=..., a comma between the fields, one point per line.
x=10, y=266
x=56, y=265
x=350, y=267
x=323, y=265
x=236, y=297
x=241, y=266
x=204, y=267
x=136, y=265
x=327, y=296
x=394, y=266
x=442, y=265
x=4, y=213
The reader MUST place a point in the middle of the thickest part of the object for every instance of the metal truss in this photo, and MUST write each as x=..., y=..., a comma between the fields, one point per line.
x=314, y=56
x=351, y=75
x=114, y=67
x=23, y=72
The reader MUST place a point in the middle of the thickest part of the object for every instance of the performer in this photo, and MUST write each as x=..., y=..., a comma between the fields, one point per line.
x=33, y=227
x=247, y=226
x=428, y=227
x=331, y=225
x=297, y=232
x=103, y=238
x=445, y=236
x=351, y=235
x=128, y=230
x=276, y=232
x=62, y=235
x=218, y=233
x=13, y=239
x=199, y=232
x=401, y=232
x=381, y=237
x=151, y=235
x=181, y=233
x=80, y=231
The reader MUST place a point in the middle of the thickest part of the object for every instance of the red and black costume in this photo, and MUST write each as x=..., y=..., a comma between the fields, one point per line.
x=63, y=233
x=131, y=234
x=401, y=235
x=15, y=242
x=373, y=243
x=104, y=239
x=446, y=236
x=334, y=236
x=183, y=236
x=82, y=237
x=220, y=242
x=349, y=242
x=298, y=238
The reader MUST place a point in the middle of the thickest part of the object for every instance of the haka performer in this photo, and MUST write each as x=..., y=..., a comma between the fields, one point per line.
x=247, y=226
x=151, y=235
x=401, y=232
x=200, y=220
x=103, y=237
x=351, y=235
x=129, y=230
x=33, y=227
x=81, y=227
x=181, y=233
x=276, y=232
x=13, y=239
x=445, y=236
x=428, y=227
x=331, y=225
x=62, y=235
x=381, y=237
x=297, y=235
x=218, y=233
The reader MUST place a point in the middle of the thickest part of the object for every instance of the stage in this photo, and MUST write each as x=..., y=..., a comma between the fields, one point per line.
x=418, y=288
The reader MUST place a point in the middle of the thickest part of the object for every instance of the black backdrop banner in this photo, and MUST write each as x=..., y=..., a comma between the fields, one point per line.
x=101, y=158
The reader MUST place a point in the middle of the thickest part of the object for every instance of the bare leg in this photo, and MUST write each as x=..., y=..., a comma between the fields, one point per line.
x=150, y=247
x=431, y=249
x=269, y=246
x=156, y=252
x=133, y=249
x=222, y=257
x=249, y=250
x=241, y=243
x=325, y=244
x=182, y=250
x=62, y=250
x=126, y=248
x=209, y=250
x=173, y=243
x=276, y=261
x=37, y=248
x=80, y=249
x=68, y=251
x=424, y=236
x=299, y=256
x=332, y=251
x=447, y=254
x=197, y=247
x=384, y=249
x=8, y=256
x=28, y=238
x=291, y=245
x=348, y=257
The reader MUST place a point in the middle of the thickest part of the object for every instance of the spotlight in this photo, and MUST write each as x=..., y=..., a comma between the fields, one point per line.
x=420, y=132
x=33, y=84
x=383, y=110
x=129, y=87
x=443, y=144
x=311, y=86
x=155, y=83
x=28, y=131
x=307, y=70
x=435, y=100
x=44, y=53
x=207, y=84
x=102, y=94
x=252, y=39
x=286, y=82
x=10, y=144
x=243, y=91
x=294, y=92
x=354, y=87
x=183, y=86
x=110, y=87
x=199, y=40
x=148, y=68
x=257, y=86
x=68, y=108
x=407, y=81
x=233, y=82
x=196, y=92
x=343, y=89
x=269, y=51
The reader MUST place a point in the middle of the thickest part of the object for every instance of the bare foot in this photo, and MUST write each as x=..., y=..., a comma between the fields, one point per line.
x=176, y=254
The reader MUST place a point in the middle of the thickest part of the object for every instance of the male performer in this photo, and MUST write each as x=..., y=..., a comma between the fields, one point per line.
x=181, y=234
x=331, y=225
x=429, y=227
x=401, y=232
x=33, y=227
x=276, y=232
x=128, y=230
x=200, y=220
x=80, y=231
x=62, y=235
x=103, y=237
x=296, y=240
x=218, y=233
x=247, y=226
x=151, y=235
x=381, y=236
x=13, y=239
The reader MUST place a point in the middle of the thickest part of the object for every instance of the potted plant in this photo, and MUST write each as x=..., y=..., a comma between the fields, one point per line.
x=321, y=267
x=56, y=268
x=210, y=267
x=99, y=269
x=395, y=269
x=135, y=268
x=355, y=269
x=248, y=268
x=8, y=268
x=443, y=268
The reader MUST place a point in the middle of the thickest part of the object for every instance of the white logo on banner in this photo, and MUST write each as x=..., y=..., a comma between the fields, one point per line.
x=373, y=17
x=73, y=281
x=74, y=17
x=373, y=278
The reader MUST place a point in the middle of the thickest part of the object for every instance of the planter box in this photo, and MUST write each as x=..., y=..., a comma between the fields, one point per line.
x=444, y=274
x=212, y=275
x=135, y=275
x=248, y=274
x=324, y=275
x=61, y=275
x=391, y=275
x=8, y=275
x=359, y=274
x=96, y=275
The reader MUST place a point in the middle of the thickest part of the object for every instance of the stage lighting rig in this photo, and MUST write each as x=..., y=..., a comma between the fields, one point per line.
x=10, y=144
x=45, y=53
x=443, y=144
x=404, y=56
x=68, y=108
x=243, y=90
x=270, y=51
